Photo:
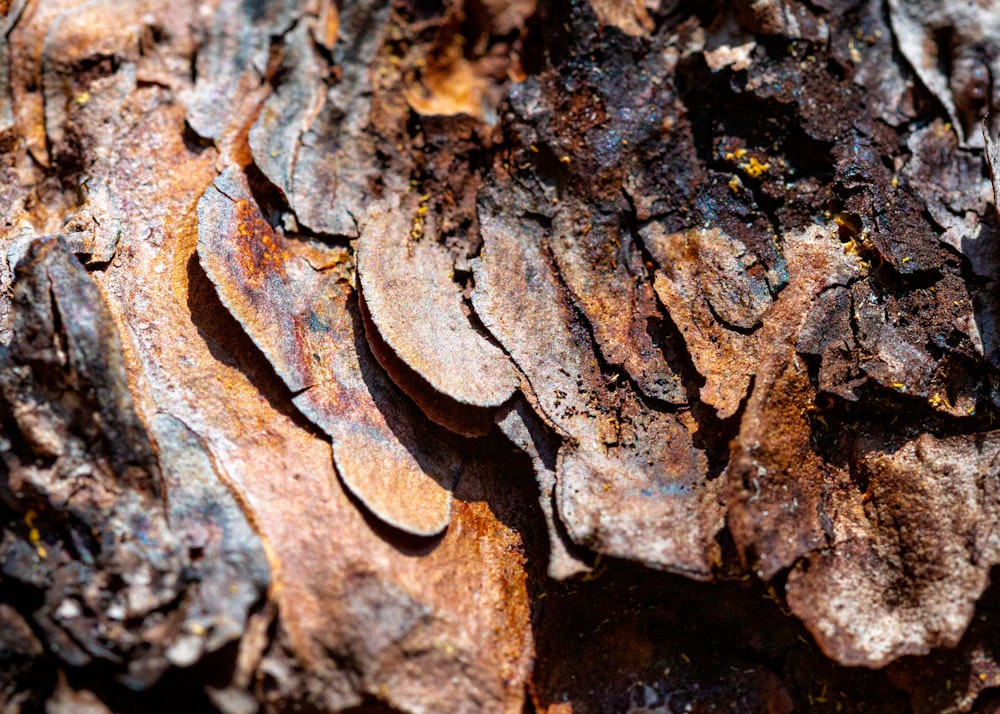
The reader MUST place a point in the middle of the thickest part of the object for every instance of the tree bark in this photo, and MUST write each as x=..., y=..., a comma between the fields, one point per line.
x=499, y=355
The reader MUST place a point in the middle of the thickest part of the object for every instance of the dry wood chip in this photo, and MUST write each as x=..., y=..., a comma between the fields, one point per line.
x=307, y=323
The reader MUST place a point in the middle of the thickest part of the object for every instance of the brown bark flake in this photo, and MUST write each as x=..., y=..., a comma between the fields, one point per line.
x=499, y=355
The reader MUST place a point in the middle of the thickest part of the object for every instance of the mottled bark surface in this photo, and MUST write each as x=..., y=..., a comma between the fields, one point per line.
x=499, y=355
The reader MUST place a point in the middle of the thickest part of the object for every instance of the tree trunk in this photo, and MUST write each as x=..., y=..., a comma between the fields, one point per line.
x=499, y=355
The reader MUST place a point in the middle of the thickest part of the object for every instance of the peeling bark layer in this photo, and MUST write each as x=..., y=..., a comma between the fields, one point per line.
x=423, y=357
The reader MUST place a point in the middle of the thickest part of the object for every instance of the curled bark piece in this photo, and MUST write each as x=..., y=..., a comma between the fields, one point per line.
x=630, y=483
x=307, y=324
x=360, y=617
x=418, y=310
x=460, y=418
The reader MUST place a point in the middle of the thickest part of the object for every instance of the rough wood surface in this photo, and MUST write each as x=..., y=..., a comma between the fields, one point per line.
x=499, y=355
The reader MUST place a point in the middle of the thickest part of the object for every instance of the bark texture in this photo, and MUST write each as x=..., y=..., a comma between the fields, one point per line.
x=499, y=355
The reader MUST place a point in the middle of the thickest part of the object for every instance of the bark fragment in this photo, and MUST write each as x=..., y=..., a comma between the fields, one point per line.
x=780, y=487
x=630, y=17
x=324, y=165
x=716, y=301
x=417, y=308
x=993, y=161
x=918, y=578
x=112, y=535
x=528, y=433
x=307, y=323
x=20, y=650
x=953, y=49
x=618, y=451
x=746, y=224
x=602, y=266
x=234, y=61
x=11, y=15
